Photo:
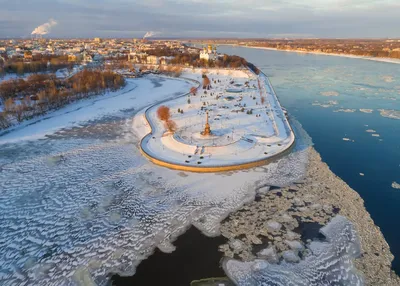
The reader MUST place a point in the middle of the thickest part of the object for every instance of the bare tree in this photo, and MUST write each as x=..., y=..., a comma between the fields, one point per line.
x=193, y=90
x=20, y=111
x=3, y=120
x=206, y=82
x=177, y=71
x=9, y=105
x=171, y=125
x=163, y=113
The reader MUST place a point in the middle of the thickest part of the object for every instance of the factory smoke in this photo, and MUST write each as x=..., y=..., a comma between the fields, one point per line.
x=45, y=28
x=149, y=34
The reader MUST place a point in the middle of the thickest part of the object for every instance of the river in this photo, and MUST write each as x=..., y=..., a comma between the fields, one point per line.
x=369, y=164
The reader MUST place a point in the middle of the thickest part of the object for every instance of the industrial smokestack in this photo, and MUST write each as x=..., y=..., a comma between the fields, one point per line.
x=45, y=28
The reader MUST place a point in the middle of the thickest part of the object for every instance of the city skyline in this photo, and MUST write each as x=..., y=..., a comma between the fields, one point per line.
x=202, y=18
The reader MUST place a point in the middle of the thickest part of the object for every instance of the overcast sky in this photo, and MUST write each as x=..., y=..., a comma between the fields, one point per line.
x=203, y=18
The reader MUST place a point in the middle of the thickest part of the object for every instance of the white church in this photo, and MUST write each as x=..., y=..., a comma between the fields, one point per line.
x=209, y=54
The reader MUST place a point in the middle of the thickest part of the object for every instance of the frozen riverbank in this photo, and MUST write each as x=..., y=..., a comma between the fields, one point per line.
x=376, y=59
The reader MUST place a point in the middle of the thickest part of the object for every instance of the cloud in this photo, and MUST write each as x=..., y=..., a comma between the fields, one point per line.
x=206, y=18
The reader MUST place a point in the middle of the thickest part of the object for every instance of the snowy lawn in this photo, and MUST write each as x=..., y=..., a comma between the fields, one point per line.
x=245, y=129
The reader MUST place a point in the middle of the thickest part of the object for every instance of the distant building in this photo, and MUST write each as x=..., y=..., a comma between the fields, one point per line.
x=165, y=60
x=50, y=49
x=153, y=60
x=86, y=57
x=98, y=58
x=2, y=61
x=209, y=54
x=28, y=55
x=97, y=40
x=72, y=58
x=137, y=58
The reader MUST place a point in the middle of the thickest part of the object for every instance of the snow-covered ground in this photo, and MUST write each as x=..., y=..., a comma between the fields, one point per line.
x=64, y=73
x=78, y=200
x=237, y=136
x=136, y=94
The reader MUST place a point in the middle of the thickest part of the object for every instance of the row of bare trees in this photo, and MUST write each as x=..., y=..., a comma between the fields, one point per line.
x=23, y=99
x=174, y=71
x=370, y=48
x=89, y=82
x=225, y=61
x=42, y=64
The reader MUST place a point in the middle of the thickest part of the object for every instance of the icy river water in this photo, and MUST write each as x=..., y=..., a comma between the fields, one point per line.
x=326, y=93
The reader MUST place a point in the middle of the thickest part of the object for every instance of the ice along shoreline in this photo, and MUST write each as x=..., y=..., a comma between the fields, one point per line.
x=375, y=59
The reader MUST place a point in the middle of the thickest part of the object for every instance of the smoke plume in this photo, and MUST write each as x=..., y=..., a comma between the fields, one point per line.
x=149, y=34
x=45, y=28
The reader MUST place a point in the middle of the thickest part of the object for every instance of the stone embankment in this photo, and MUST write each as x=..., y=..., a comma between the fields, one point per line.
x=282, y=221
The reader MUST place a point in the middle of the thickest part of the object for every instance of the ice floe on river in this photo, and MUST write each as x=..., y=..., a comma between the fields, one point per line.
x=346, y=110
x=328, y=104
x=329, y=93
x=347, y=139
x=394, y=114
x=328, y=262
x=365, y=110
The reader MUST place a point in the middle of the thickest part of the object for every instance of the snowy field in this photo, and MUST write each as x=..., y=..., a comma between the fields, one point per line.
x=244, y=129
x=78, y=201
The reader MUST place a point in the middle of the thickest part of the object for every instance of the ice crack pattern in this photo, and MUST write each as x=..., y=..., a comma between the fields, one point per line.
x=75, y=210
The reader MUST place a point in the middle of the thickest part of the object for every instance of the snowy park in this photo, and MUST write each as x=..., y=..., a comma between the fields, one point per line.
x=245, y=122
